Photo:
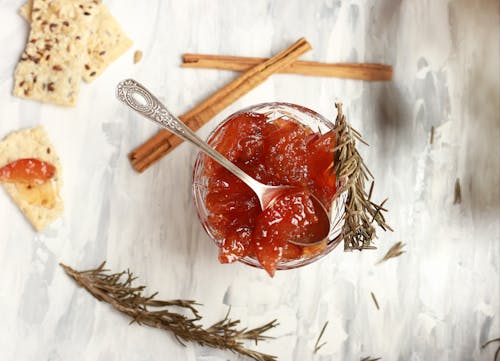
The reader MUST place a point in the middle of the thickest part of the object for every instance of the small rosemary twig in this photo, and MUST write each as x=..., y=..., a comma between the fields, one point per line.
x=360, y=212
x=317, y=345
x=395, y=251
x=117, y=290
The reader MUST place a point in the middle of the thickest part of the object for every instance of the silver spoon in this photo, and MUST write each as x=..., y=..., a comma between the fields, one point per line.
x=137, y=97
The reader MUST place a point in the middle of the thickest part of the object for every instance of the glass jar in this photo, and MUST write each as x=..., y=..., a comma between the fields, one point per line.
x=273, y=111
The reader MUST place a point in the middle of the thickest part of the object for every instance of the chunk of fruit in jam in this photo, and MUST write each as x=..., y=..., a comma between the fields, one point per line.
x=288, y=218
x=233, y=204
x=280, y=152
x=320, y=153
x=320, y=162
x=285, y=154
x=235, y=245
x=27, y=171
x=240, y=139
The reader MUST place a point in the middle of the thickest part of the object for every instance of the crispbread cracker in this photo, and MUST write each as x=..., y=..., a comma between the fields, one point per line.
x=32, y=143
x=106, y=44
x=107, y=41
x=51, y=66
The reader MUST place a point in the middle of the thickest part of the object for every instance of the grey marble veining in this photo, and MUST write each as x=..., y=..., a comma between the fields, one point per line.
x=439, y=301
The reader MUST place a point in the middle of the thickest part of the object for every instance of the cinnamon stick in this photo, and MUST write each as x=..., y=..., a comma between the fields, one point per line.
x=163, y=142
x=361, y=71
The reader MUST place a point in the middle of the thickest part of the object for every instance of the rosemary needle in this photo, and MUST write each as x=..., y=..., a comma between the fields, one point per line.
x=458, y=192
x=317, y=346
x=375, y=300
x=395, y=251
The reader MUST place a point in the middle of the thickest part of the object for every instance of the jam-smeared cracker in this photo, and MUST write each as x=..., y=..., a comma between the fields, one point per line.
x=30, y=172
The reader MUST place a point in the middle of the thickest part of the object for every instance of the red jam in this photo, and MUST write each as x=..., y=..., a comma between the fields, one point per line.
x=27, y=171
x=282, y=152
x=33, y=181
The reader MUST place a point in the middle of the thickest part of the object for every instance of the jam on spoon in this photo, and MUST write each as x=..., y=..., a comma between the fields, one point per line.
x=292, y=217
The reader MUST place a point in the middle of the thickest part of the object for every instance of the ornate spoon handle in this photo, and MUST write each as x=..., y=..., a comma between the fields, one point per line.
x=137, y=97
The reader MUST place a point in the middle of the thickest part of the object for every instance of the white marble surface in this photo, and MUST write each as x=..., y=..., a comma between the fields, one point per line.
x=439, y=301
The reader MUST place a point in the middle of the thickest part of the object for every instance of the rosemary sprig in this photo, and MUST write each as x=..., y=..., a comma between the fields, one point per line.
x=117, y=290
x=317, y=345
x=375, y=300
x=369, y=358
x=395, y=251
x=360, y=212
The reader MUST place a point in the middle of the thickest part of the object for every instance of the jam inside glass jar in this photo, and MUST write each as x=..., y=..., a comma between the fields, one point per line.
x=277, y=144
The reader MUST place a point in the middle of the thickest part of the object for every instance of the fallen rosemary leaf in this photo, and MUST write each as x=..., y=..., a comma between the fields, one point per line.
x=360, y=212
x=458, y=192
x=375, y=300
x=394, y=251
x=369, y=358
x=497, y=353
x=317, y=346
x=431, y=140
x=117, y=290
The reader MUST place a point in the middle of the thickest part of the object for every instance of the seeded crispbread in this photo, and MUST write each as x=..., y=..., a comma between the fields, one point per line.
x=51, y=66
x=33, y=143
x=107, y=41
x=106, y=44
